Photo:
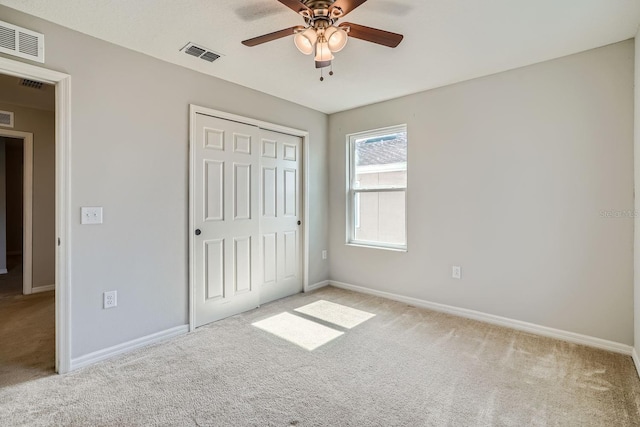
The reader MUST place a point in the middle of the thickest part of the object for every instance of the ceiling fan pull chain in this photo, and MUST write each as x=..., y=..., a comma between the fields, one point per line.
x=331, y=70
x=321, y=74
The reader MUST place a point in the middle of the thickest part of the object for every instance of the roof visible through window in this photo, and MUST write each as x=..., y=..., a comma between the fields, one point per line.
x=381, y=150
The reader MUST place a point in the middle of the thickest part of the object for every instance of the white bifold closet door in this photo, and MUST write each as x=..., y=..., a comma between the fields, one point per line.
x=226, y=218
x=246, y=242
x=280, y=242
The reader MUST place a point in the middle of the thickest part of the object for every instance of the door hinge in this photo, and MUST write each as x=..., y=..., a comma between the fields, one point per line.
x=58, y=241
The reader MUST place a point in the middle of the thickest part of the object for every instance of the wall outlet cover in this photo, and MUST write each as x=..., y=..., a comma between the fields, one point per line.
x=110, y=299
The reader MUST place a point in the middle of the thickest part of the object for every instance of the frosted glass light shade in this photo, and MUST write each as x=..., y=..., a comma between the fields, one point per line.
x=337, y=38
x=323, y=53
x=305, y=40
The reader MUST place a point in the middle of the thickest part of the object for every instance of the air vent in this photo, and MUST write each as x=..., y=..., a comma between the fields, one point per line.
x=210, y=56
x=31, y=83
x=200, y=52
x=6, y=119
x=21, y=42
x=194, y=51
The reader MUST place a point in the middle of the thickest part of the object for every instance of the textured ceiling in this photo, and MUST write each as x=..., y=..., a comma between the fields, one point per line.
x=446, y=41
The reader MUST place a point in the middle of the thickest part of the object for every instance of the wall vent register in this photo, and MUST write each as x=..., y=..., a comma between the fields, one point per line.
x=31, y=83
x=21, y=42
x=6, y=119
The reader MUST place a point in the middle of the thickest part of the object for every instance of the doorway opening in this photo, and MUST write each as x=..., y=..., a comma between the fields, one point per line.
x=58, y=197
x=27, y=282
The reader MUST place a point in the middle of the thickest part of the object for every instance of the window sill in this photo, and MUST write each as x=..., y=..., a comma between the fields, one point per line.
x=384, y=248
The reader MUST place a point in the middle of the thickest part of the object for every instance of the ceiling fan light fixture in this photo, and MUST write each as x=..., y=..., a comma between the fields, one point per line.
x=321, y=35
x=306, y=40
x=336, y=37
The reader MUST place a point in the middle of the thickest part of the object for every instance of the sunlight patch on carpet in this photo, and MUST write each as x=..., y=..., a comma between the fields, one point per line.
x=302, y=332
x=337, y=314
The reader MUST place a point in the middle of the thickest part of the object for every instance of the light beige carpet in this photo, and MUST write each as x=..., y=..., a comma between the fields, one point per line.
x=402, y=367
x=27, y=329
x=27, y=337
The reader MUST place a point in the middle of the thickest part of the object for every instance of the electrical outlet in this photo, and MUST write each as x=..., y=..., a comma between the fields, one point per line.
x=456, y=272
x=110, y=299
x=324, y=254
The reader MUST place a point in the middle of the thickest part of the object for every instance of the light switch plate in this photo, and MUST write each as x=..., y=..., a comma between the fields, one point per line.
x=91, y=215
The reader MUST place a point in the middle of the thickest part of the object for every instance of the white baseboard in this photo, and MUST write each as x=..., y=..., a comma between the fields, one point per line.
x=497, y=320
x=107, y=353
x=3, y=271
x=317, y=285
x=44, y=288
x=636, y=360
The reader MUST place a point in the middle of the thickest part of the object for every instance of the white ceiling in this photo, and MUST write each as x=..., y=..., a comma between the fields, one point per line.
x=446, y=41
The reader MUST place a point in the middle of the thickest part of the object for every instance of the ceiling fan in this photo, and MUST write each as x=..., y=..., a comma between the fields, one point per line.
x=322, y=34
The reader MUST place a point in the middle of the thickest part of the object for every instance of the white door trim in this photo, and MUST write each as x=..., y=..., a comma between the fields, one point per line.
x=62, y=82
x=195, y=109
x=27, y=206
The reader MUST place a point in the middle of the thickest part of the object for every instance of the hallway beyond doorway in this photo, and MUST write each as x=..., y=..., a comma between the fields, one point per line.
x=11, y=282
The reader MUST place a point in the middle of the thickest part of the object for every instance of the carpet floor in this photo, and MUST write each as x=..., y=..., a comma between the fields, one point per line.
x=27, y=329
x=389, y=364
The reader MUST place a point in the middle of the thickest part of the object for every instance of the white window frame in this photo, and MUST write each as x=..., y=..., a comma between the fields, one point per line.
x=353, y=192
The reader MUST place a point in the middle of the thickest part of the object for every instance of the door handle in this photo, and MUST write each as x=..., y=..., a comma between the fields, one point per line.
x=299, y=223
x=198, y=231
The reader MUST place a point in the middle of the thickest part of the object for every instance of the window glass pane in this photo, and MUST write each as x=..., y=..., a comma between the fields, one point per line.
x=381, y=161
x=380, y=217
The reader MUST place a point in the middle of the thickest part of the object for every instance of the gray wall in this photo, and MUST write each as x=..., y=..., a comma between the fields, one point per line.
x=129, y=154
x=511, y=177
x=42, y=124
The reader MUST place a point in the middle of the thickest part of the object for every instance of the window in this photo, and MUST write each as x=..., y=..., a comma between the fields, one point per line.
x=377, y=196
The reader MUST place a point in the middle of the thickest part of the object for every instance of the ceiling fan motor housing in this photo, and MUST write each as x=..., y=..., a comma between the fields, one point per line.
x=320, y=14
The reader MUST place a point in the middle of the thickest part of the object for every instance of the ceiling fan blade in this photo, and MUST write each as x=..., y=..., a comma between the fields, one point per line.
x=346, y=5
x=272, y=36
x=373, y=35
x=296, y=5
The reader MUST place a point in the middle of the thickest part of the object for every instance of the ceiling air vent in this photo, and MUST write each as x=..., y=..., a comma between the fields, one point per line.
x=20, y=42
x=200, y=52
x=31, y=83
x=6, y=119
x=210, y=56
